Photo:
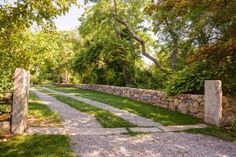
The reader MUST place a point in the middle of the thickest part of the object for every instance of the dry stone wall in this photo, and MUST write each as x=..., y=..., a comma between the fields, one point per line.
x=191, y=104
x=229, y=111
x=185, y=103
x=18, y=100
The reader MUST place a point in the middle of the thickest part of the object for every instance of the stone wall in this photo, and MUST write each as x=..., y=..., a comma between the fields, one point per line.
x=5, y=116
x=191, y=104
x=18, y=101
x=4, y=127
x=185, y=103
x=229, y=111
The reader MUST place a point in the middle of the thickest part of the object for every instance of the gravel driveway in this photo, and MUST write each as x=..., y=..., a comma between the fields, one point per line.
x=98, y=144
x=153, y=145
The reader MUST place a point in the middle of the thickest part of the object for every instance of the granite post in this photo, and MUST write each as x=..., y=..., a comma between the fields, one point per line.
x=21, y=82
x=213, y=102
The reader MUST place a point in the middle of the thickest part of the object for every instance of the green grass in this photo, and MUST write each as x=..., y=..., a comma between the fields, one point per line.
x=214, y=131
x=40, y=113
x=135, y=134
x=158, y=114
x=37, y=146
x=105, y=118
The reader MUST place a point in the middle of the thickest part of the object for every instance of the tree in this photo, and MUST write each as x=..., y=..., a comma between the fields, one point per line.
x=189, y=36
x=15, y=22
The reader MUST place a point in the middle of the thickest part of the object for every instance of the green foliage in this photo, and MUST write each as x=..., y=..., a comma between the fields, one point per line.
x=191, y=40
x=221, y=61
x=149, y=78
x=194, y=40
x=189, y=80
x=15, y=39
x=108, y=54
x=5, y=83
x=52, y=53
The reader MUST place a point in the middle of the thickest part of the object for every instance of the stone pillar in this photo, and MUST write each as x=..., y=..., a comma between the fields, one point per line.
x=20, y=101
x=213, y=102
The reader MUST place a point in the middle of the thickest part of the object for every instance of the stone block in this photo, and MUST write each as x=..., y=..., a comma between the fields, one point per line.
x=200, y=115
x=213, y=102
x=193, y=109
x=172, y=106
x=5, y=126
x=183, y=108
x=20, y=101
x=176, y=101
x=194, y=97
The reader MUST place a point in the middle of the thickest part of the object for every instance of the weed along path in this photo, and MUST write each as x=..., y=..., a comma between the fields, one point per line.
x=91, y=136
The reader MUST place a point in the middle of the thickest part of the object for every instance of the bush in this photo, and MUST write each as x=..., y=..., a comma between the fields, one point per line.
x=190, y=79
x=149, y=79
x=5, y=81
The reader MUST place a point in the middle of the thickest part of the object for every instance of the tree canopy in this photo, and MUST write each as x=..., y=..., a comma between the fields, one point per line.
x=166, y=44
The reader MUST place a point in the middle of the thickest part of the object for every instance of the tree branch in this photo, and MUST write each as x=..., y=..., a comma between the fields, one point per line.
x=141, y=41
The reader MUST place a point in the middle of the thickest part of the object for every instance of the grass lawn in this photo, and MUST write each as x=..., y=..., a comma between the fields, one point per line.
x=105, y=118
x=37, y=146
x=229, y=135
x=40, y=114
x=158, y=114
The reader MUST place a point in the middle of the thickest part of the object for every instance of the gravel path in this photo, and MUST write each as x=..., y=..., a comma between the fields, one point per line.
x=73, y=118
x=132, y=118
x=88, y=139
x=153, y=145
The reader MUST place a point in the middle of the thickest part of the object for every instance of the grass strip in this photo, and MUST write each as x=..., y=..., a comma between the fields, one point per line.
x=135, y=134
x=41, y=113
x=105, y=118
x=158, y=114
x=214, y=131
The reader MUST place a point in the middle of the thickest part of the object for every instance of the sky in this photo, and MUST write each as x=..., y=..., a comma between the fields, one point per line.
x=70, y=20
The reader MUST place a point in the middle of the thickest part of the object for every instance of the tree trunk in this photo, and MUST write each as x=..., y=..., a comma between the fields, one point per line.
x=66, y=77
x=175, y=50
x=125, y=75
x=174, y=55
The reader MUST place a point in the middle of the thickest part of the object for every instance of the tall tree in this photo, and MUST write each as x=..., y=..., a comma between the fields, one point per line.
x=15, y=21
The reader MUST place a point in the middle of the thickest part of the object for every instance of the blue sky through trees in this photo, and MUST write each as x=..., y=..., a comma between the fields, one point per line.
x=70, y=20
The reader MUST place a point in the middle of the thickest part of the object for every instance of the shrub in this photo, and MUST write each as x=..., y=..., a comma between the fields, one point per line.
x=190, y=79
